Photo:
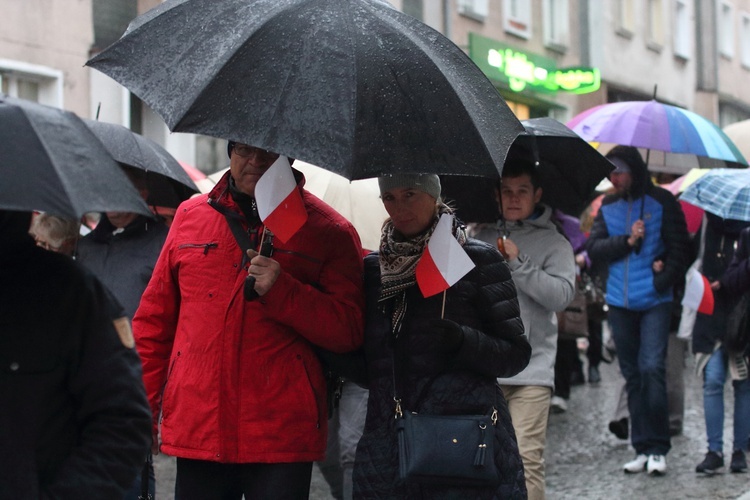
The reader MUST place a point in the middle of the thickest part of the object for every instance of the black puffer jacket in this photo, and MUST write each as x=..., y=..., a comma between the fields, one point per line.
x=484, y=303
x=720, y=243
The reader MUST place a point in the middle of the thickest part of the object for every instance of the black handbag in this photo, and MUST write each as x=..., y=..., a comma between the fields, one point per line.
x=445, y=449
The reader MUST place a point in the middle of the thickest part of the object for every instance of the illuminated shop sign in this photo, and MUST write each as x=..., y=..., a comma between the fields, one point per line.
x=521, y=71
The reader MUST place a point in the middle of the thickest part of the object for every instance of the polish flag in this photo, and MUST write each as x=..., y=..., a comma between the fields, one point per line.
x=279, y=200
x=444, y=261
x=698, y=294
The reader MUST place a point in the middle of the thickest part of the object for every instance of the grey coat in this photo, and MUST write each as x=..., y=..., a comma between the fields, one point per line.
x=544, y=274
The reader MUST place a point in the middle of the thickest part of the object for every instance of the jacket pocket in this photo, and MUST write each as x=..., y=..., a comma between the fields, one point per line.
x=308, y=397
x=199, y=270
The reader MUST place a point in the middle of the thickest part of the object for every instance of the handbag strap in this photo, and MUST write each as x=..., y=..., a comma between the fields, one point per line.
x=399, y=353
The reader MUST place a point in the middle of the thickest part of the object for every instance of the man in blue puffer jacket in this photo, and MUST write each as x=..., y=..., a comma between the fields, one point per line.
x=640, y=232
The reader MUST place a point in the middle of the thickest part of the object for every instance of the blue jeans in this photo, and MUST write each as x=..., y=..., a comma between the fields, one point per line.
x=641, y=339
x=714, y=377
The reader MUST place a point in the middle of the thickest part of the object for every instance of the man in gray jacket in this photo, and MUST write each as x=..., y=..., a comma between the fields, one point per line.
x=543, y=268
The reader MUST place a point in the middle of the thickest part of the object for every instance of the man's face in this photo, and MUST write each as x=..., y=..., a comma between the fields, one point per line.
x=518, y=197
x=247, y=164
x=121, y=219
x=621, y=181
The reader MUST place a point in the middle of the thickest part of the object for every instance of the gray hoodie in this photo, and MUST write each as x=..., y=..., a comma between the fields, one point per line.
x=544, y=274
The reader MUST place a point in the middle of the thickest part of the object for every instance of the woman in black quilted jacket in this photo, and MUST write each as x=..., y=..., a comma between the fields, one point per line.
x=445, y=366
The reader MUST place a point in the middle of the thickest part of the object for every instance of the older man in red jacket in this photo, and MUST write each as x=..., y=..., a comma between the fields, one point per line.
x=240, y=391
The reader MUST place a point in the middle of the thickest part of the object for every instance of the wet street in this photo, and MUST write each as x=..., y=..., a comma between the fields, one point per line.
x=584, y=460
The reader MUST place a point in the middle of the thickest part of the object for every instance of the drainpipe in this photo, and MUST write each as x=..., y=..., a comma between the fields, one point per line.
x=447, y=19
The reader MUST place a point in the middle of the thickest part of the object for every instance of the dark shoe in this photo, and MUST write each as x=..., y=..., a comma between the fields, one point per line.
x=594, y=376
x=711, y=464
x=619, y=428
x=739, y=462
x=576, y=378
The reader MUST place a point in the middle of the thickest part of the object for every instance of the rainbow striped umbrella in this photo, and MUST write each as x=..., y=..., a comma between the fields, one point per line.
x=657, y=126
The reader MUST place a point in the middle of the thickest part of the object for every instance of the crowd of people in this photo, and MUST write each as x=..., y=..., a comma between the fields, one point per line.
x=249, y=391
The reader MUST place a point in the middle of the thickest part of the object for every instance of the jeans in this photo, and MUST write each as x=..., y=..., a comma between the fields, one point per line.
x=137, y=488
x=714, y=377
x=641, y=338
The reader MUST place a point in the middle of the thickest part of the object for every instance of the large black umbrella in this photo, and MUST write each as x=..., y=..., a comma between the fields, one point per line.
x=167, y=181
x=354, y=86
x=50, y=161
x=569, y=171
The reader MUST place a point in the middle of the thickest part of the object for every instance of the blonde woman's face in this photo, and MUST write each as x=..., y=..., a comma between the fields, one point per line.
x=411, y=210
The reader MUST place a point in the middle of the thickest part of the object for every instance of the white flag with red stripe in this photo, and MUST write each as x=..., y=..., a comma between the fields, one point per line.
x=444, y=261
x=279, y=200
x=698, y=294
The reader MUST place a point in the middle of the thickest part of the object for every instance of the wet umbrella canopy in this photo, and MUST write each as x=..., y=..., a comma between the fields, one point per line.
x=168, y=183
x=569, y=172
x=50, y=161
x=354, y=86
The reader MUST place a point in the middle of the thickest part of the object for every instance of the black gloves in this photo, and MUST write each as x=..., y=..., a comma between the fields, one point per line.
x=448, y=335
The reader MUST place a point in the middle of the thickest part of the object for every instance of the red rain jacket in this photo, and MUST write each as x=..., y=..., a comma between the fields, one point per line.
x=237, y=381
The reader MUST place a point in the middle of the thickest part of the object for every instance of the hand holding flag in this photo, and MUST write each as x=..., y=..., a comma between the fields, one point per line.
x=444, y=261
x=279, y=201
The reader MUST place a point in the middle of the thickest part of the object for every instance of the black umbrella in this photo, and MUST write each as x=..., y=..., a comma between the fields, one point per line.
x=50, y=161
x=569, y=171
x=354, y=86
x=168, y=183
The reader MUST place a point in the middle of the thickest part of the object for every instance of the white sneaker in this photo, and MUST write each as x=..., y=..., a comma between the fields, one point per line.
x=558, y=405
x=637, y=465
x=657, y=465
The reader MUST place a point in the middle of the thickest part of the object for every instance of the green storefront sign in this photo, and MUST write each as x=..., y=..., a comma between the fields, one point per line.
x=521, y=71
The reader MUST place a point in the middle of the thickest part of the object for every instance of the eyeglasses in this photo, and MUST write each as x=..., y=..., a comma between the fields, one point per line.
x=263, y=155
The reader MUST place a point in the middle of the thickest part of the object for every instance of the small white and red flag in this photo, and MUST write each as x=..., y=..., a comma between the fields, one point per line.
x=698, y=294
x=444, y=261
x=279, y=200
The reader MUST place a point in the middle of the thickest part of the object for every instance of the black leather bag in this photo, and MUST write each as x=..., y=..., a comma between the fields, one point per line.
x=447, y=449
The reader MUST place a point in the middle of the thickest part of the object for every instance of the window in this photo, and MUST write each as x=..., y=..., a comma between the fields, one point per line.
x=725, y=30
x=31, y=82
x=625, y=18
x=517, y=17
x=475, y=9
x=655, y=24
x=745, y=40
x=682, y=29
x=556, y=24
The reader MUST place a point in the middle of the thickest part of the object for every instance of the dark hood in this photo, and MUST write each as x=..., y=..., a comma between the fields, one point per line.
x=638, y=169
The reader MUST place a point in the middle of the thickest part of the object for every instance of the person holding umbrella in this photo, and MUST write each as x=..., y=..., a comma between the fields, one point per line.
x=232, y=378
x=542, y=265
x=444, y=366
x=640, y=232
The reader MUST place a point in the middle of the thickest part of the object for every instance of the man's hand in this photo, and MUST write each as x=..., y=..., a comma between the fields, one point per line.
x=511, y=249
x=265, y=270
x=658, y=266
x=637, y=232
x=715, y=285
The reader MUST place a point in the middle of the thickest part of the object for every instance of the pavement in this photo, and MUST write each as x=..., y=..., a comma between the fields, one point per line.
x=584, y=460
